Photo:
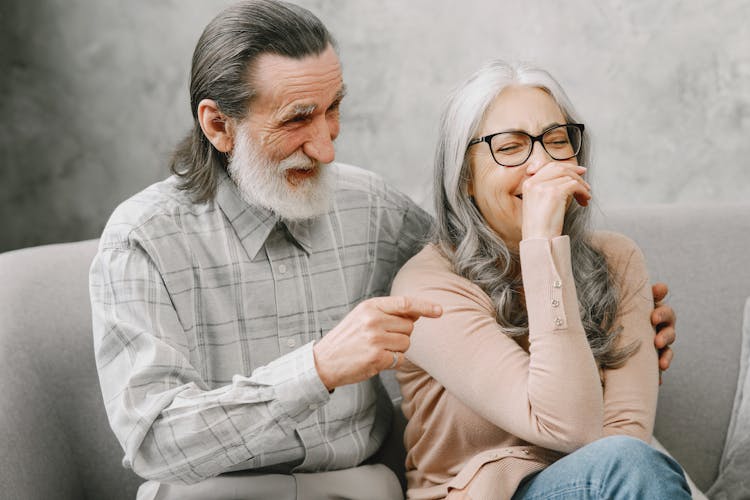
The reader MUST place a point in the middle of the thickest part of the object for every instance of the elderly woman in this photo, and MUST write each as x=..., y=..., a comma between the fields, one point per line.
x=540, y=379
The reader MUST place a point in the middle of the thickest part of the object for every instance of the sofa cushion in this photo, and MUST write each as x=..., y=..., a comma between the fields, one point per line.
x=734, y=473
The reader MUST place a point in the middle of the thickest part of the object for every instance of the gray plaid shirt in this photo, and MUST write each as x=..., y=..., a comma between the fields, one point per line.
x=204, y=319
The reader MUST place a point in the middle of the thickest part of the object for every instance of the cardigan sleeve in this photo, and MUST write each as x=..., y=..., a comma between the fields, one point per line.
x=551, y=396
x=630, y=392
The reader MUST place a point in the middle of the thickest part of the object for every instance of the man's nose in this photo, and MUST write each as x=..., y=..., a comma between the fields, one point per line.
x=320, y=145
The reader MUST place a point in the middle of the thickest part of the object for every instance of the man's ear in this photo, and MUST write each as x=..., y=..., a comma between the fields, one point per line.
x=215, y=125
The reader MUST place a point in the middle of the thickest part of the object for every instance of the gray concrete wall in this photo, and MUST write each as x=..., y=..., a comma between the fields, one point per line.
x=93, y=94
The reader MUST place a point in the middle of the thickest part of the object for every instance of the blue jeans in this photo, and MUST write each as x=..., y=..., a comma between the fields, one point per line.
x=615, y=467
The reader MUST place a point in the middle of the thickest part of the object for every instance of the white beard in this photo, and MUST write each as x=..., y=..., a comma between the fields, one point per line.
x=263, y=182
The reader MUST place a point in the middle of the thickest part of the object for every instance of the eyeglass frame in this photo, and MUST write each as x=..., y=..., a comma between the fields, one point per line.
x=534, y=138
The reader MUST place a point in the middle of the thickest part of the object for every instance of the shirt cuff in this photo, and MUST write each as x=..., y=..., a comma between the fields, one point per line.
x=548, y=283
x=301, y=392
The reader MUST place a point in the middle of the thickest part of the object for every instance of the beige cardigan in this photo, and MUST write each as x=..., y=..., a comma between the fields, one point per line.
x=485, y=410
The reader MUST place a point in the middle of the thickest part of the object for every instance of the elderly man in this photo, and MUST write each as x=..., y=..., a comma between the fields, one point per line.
x=240, y=309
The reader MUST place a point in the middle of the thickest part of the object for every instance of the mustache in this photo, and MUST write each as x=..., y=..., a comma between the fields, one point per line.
x=298, y=161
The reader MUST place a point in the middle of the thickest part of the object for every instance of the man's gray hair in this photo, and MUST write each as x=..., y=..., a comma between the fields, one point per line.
x=221, y=70
x=478, y=254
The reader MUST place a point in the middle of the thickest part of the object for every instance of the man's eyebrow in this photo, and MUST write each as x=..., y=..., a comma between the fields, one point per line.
x=302, y=111
x=340, y=94
x=299, y=111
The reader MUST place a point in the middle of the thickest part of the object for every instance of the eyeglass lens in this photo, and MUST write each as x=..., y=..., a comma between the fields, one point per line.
x=514, y=148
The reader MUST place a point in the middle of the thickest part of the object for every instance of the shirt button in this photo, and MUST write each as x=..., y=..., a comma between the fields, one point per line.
x=525, y=452
x=558, y=322
x=282, y=269
x=291, y=342
x=555, y=303
x=557, y=284
x=494, y=456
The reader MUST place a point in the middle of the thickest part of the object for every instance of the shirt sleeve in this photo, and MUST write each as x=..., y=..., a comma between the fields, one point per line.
x=416, y=228
x=172, y=426
x=630, y=392
x=551, y=396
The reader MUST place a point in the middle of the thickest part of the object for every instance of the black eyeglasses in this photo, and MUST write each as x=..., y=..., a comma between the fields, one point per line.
x=510, y=149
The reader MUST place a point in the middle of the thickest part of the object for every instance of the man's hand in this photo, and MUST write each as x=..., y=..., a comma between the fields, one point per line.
x=663, y=318
x=371, y=338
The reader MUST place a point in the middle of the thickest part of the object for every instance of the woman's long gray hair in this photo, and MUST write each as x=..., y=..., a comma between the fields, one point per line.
x=480, y=255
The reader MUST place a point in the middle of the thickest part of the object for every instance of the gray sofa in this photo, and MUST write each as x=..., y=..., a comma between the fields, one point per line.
x=55, y=441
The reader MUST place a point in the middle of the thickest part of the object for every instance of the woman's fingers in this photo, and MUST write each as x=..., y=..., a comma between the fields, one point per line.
x=562, y=188
x=557, y=169
x=579, y=191
x=554, y=172
x=547, y=194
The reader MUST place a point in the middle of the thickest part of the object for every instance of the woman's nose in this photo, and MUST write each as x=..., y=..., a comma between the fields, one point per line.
x=538, y=158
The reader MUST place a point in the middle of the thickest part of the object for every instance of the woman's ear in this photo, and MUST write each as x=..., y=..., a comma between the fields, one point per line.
x=215, y=125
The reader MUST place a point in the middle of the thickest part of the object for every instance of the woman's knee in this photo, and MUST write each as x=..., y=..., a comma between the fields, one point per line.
x=626, y=452
x=632, y=457
x=621, y=446
x=612, y=467
x=627, y=459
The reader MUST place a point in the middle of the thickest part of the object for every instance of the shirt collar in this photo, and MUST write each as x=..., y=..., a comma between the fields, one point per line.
x=302, y=234
x=252, y=223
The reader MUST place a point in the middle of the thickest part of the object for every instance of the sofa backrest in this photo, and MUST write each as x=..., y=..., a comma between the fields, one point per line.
x=703, y=253
x=56, y=441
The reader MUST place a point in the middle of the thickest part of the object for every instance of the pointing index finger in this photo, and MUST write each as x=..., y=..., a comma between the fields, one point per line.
x=411, y=307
